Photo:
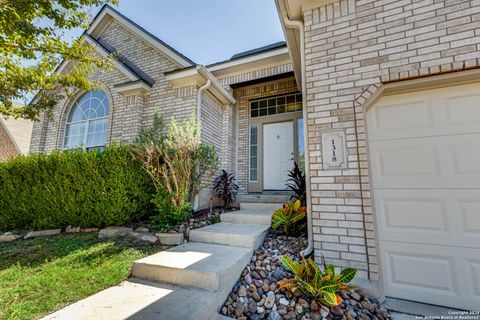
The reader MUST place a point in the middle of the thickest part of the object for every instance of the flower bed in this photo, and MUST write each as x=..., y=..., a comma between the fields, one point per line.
x=257, y=294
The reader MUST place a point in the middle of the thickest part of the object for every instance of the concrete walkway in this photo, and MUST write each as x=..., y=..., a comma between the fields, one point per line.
x=406, y=310
x=190, y=281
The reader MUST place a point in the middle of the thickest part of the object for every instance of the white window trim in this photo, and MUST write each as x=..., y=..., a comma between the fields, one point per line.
x=250, y=152
x=83, y=145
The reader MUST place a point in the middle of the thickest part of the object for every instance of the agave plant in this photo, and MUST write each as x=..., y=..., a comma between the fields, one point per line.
x=225, y=188
x=323, y=286
x=297, y=184
x=290, y=218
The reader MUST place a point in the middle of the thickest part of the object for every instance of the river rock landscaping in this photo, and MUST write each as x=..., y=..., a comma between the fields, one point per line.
x=257, y=294
x=135, y=232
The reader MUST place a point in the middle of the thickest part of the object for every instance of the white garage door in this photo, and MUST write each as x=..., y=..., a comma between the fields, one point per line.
x=425, y=162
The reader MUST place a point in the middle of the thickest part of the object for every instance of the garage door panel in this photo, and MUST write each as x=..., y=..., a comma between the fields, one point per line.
x=404, y=213
x=432, y=274
x=439, y=112
x=422, y=271
x=461, y=110
x=473, y=272
x=396, y=115
x=393, y=117
x=470, y=216
x=449, y=217
x=465, y=156
x=430, y=162
x=405, y=163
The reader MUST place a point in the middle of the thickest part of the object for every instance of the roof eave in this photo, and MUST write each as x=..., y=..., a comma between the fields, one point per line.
x=199, y=76
x=292, y=36
x=260, y=60
x=138, y=87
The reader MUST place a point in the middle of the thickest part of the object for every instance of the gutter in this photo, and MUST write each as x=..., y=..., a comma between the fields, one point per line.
x=199, y=99
x=295, y=24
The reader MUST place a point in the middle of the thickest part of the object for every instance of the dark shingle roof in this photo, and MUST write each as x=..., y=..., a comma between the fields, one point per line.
x=269, y=47
x=251, y=52
x=127, y=63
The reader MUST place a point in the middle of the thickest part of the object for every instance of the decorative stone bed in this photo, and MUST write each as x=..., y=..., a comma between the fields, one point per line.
x=257, y=295
x=137, y=232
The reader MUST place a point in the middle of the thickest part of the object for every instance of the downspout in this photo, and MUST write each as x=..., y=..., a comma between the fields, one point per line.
x=196, y=200
x=299, y=25
x=199, y=99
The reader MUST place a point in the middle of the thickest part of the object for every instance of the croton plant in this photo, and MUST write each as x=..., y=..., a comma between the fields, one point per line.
x=322, y=286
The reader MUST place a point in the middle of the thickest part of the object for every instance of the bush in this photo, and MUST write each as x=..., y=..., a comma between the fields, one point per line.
x=225, y=188
x=179, y=164
x=323, y=286
x=169, y=215
x=78, y=188
x=290, y=219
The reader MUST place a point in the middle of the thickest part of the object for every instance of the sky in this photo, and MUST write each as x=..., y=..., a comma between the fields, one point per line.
x=207, y=31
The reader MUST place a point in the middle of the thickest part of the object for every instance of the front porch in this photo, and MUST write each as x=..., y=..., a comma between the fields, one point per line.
x=269, y=137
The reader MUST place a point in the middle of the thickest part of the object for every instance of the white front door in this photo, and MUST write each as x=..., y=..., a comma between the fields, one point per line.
x=425, y=151
x=277, y=154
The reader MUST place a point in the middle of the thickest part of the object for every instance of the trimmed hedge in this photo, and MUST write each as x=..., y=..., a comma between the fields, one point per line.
x=78, y=188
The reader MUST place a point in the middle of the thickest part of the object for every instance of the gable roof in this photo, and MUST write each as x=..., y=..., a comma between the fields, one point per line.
x=107, y=13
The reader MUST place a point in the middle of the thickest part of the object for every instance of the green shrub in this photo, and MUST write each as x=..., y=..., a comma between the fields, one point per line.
x=323, y=286
x=168, y=215
x=179, y=164
x=75, y=188
x=290, y=219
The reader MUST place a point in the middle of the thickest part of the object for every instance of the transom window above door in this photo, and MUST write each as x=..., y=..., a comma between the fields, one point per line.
x=276, y=105
x=87, y=122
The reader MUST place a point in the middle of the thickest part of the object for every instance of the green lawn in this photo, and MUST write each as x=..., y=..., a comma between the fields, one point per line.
x=38, y=276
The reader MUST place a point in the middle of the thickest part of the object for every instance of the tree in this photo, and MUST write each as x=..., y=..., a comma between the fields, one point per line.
x=32, y=47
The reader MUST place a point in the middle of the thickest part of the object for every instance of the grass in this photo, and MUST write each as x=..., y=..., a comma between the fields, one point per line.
x=38, y=276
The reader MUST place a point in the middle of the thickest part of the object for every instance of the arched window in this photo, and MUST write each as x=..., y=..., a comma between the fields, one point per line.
x=87, y=122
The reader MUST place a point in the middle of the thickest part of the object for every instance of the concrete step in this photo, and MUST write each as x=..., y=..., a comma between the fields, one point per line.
x=248, y=217
x=201, y=265
x=231, y=234
x=144, y=300
x=268, y=198
x=261, y=206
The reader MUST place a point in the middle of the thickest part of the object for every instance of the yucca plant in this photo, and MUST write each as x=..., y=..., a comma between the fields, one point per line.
x=290, y=219
x=323, y=286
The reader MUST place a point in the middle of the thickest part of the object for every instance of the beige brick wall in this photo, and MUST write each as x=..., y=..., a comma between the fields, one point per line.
x=352, y=47
x=212, y=121
x=7, y=146
x=243, y=95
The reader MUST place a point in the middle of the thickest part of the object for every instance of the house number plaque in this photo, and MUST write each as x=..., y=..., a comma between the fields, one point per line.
x=334, y=150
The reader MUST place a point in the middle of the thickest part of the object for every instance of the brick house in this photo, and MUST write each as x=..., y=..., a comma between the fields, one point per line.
x=15, y=137
x=380, y=97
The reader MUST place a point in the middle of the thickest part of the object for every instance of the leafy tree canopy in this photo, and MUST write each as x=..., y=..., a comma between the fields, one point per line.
x=32, y=46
